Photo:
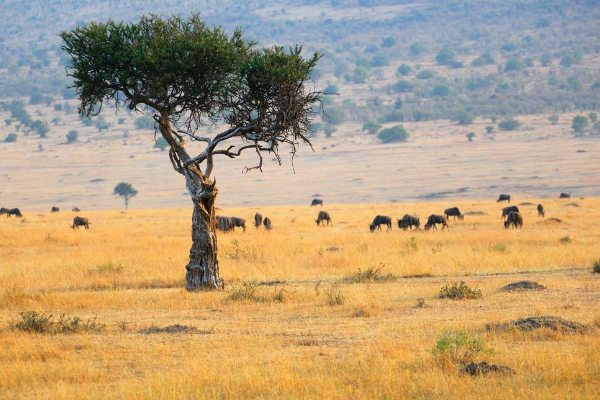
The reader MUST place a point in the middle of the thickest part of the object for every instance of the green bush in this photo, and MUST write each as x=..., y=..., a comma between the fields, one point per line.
x=402, y=86
x=371, y=126
x=464, y=118
x=459, y=291
x=509, y=124
x=144, y=122
x=161, y=144
x=394, y=134
x=596, y=267
x=11, y=138
x=441, y=91
x=34, y=322
x=404, y=69
x=72, y=136
x=580, y=123
x=371, y=274
x=426, y=74
x=513, y=64
x=459, y=349
x=445, y=57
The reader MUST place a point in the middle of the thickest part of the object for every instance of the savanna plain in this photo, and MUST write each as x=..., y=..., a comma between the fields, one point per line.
x=307, y=311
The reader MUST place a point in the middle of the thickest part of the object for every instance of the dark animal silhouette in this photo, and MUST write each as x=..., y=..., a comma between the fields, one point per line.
x=316, y=202
x=453, y=212
x=381, y=220
x=14, y=211
x=565, y=196
x=433, y=220
x=258, y=219
x=515, y=219
x=225, y=224
x=239, y=223
x=322, y=217
x=508, y=210
x=541, y=212
x=267, y=223
x=408, y=221
x=80, y=221
x=4, y=211
x=504, y=197
x=75, y=209
x=55, y=210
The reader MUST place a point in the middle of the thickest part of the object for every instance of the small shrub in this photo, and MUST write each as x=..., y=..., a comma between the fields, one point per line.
x=458, y=291
x=72, y=136
x=394, y=134
x=279, y=295
x=245, y=293
x=34, y=322
x=458, y=349
x=596, y=267
x=565, y=240
x=335, y=297
x=509, y=124
x=369, y=275
x=109, y=268
x=11, y=138
x=421, y=303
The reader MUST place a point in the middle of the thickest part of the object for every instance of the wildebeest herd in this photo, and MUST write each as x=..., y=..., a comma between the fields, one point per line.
x=510, y=214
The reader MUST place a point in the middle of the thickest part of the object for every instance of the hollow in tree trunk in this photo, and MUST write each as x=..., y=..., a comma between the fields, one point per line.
x=203, y=268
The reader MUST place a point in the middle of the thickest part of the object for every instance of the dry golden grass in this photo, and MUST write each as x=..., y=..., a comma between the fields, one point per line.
x=280, y=336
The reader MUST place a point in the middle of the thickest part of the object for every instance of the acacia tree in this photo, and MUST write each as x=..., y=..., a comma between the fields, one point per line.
x=188, y=75
x=125, y=191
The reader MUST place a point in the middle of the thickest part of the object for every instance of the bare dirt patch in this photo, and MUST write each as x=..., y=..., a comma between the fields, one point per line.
x=541, y=322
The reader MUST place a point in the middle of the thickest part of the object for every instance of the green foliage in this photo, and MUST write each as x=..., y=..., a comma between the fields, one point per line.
x=593, y=117
x=485, y=59
x=389, y=41
x=565, y=240
x=464, y=118
x=470, y=136
x=11, y=138
x=553, y=119
x=404, y=69
x=543, y=23
x=36, y=98
x=144, y=122
x=101, y=123
x=371, y=274
x=371, y=126
x=489, y=129
x=335, y=115
x=34, y=322
x=417, y=49
x=459, y=291
x=440, y=90
x=380, y=60
x=72, y=136
x=161, y=144
x=425, y=74
x=40, y=127
x=546, y=59
x=579, y=123
x=596, y=267
x=360, y=75
x=394, y=134
x=510, y=124
x=514, y=64
x=445, y=57
x=125, y=191
x=459, y=349
x=402, y=86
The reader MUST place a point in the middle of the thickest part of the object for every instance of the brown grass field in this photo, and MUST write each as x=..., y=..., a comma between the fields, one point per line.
x=292, y=322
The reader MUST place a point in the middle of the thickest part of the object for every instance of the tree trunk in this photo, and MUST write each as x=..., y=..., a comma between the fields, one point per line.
x=203, y=268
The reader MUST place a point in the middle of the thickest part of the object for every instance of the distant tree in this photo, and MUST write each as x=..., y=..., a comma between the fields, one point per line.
x=441, y=91
x=404, y=69
x=360, y=75
x=509, y=124
x=445, y=57
x=121, y=121
x=335, y=115
x=514, y=64
x=546, y=59
x=567, y=61
x=509, y=47
x=72, y=136
x=417, y=49
x=161, y=144
x=41, y=128
x=371, y=126
x=36, y=98
x=542, y=23
x=11, y=138
x=125, y=191
x=144, y=122
x=464, y=118
x=371, y=48
x=470, y=136
x=389, y=41
x=593, y=117
x=554, y=119
x=425, y=74
x=55, y=120
x=8, y=121
x=580, y=123
x=489, y=129
x=402, y=86
x=380, y=60
x=101, y=123
x=394, y=134
x=596, y=128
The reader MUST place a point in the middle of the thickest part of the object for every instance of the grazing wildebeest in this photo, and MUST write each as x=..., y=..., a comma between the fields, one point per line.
x=541, y=212
x=267, y=223
x=14, y=211
x=408, y=221
x=80, y=221
x=239, y=223
x=381, y=220
x=55, y=209
x=3, y=211
x=317, y=202
x=565, y=196
x=503, y=197
x=433, y=220
x=225, y=224
x=75, y=209
x=453, y=212
x=322, y=217
x=514, y=218
x=257, y=220
x=508, y=210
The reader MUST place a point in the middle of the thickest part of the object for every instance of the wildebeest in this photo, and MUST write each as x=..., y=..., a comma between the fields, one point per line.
x=80, y=221
x=540, y=209
x=433, y=220
x=514, y=218
x=55, y=210
x=508, y=210
x=565, y=196
x=3, y=211
x=453, y=212
x=14, y=211
x=408, y=221
x=224, y=224
x=267, y=223
x=317, y=202
x=239, y=223
x=504, y=197
x=75, y=209
x=258, y=219
x=381, y=220
x=322, y=217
